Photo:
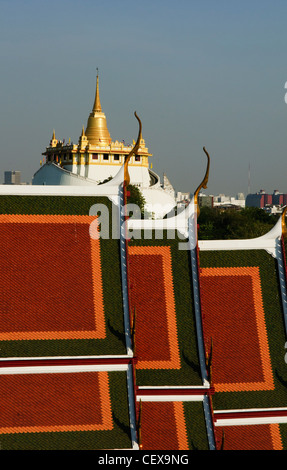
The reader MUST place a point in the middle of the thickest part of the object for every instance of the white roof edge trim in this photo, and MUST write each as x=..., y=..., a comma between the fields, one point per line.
x=266, y=242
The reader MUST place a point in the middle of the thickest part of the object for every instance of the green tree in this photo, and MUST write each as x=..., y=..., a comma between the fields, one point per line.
x=135, y=196
x=218, y=224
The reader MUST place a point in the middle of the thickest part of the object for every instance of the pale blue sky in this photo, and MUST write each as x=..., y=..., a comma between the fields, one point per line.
x=198, y=72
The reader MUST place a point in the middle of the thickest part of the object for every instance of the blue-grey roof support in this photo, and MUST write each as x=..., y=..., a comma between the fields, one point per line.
x=124, y=276
x=192, y=229
x=282, y=278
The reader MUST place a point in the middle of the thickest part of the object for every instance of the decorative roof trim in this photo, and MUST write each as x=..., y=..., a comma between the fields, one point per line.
x=204, y=182
x=283, y=222
x=132, y=152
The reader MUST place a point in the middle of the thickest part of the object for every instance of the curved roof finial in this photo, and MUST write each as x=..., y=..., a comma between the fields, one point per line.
x=132, y=152
x=204, y=182
x=283, y=222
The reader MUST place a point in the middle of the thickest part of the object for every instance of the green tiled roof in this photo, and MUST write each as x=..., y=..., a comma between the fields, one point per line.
x=164, y=366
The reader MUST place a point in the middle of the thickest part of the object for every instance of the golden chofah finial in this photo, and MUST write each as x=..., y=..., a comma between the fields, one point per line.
x=204, y=182
x=283, y=222
x=132, y=152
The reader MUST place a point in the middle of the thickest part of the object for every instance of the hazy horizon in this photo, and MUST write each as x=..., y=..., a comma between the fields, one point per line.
x=198, y=73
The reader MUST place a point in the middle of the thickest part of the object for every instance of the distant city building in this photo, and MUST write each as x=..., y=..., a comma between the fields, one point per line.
x=205, y=201
x=266, y=201
x=182, y=197
x=209, y=200
x=229, y=201
x=182, y=200
x=12, y=177
x=279, y=199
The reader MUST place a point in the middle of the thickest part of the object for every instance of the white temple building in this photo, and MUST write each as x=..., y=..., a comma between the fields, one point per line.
x=96, y=158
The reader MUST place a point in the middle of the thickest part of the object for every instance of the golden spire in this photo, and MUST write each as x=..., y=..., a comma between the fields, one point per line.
x=97, y=104
x=53, y=141
x=97, y=131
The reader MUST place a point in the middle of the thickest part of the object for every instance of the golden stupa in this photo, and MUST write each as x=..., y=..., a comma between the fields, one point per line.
x=97, y=131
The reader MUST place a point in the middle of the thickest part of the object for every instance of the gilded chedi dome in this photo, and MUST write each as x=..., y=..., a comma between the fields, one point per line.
x=97, y=131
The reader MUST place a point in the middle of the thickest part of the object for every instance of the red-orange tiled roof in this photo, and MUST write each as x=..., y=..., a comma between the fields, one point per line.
x=53, y=402
x=51, y=278
x=163, y=426
x=151, y=294
x=252, y=437
x=233, y=317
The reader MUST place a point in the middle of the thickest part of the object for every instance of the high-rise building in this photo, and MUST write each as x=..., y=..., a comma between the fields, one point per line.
x=12, y=177
x=262, y=199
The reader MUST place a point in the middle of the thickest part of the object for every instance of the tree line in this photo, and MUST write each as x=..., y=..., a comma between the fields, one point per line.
x=218, y=224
